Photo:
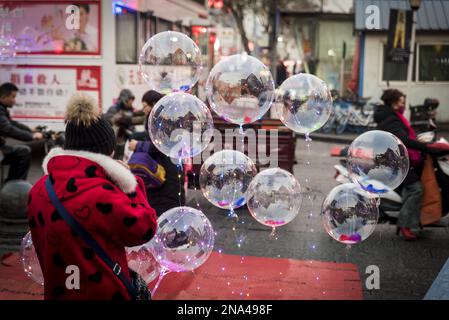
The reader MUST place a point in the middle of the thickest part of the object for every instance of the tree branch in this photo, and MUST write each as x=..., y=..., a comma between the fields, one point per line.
x=237, y=13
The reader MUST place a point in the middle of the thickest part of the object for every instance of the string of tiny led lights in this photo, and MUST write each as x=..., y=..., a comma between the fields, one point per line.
x=310, y=216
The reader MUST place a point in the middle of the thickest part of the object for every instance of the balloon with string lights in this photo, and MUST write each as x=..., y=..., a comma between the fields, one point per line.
x=8, y=44
x=378, y=161
x=141, y=260
x=306, y=103
x=180, y=125
x=26, y=40
x=30, y=260
x=170, y=61
x=349, y=213
x=183, y=242
x=274, y=198
x=225, y=177
x=240, y=89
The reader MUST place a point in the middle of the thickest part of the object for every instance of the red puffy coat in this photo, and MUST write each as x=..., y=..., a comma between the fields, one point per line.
x=109, y=202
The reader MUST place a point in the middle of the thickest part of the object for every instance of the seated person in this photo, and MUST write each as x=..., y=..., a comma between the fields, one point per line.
x=167, y=196
x=17, y=156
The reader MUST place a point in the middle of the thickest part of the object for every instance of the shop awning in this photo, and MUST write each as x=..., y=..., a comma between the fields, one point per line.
x=432, y=14
x=173, y=10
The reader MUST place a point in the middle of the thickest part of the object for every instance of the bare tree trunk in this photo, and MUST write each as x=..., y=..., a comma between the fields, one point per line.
x=237, y=13
x=272, y=18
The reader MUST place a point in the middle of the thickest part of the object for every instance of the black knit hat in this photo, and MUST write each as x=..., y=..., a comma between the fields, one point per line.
x=85, y=129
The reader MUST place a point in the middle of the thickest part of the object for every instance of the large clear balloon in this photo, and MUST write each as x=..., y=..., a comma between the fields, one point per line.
x=180, y=125
x=225, y=177
x=274, y=197
x=378, y=161
x=8, y=46
x=184, y=239
x=30, y=261
x=349, y=213
x=142, y=261
x=306, y=103
x=26, y=41
x=170, y=61
x=240, y=89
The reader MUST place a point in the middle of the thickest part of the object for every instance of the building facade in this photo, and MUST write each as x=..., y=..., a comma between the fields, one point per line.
x=431, y=62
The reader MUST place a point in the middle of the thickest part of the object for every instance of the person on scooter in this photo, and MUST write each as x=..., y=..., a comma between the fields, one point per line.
x=390, y=117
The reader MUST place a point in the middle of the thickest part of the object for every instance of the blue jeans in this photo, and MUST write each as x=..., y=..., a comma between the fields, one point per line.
x=410, y=212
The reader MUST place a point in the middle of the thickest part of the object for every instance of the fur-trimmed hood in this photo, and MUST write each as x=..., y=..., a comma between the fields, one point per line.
x=118, y=174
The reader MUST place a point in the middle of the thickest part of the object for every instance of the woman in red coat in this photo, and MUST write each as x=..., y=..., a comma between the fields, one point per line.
x=103, y=196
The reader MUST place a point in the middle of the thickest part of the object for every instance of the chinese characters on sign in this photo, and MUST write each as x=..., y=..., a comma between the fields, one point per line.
x=45, y=90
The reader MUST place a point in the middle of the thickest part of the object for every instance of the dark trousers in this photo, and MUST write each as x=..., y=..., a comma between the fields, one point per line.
x=410, y=212
x=19, y=160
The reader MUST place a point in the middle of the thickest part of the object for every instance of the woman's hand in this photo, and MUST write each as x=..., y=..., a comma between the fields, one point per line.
x=123, y=164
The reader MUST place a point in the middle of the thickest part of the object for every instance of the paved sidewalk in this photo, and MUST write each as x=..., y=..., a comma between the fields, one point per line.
x=407, y=269
x=347, y=138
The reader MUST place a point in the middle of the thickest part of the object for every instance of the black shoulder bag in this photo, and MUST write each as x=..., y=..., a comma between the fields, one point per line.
x=137, y=288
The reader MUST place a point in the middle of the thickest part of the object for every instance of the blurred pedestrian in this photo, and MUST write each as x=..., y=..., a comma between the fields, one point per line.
x=281, y=72
x=120, y=116
x=18, y=157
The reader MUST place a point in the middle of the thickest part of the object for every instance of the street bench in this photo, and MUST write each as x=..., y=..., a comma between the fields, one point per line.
x=283, y=148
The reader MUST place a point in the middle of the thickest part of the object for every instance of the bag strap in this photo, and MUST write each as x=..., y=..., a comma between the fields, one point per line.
x=87, y=238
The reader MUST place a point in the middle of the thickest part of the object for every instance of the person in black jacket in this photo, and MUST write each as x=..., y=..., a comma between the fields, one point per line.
x=124, y=104
x=389, y=117
x=17, y=156
x=281, y=72
x=171, y=194
x=123, y=118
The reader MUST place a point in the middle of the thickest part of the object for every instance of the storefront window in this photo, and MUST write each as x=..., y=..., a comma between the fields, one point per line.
x=434, y=62
x=126, y=36
x=163, y=25
x=296, y=45
x=394, y=71
x=335, y=39
x=148, y=26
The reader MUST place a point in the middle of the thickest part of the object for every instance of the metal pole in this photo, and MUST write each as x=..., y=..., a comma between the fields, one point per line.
x=274, y=16
x=411, y=57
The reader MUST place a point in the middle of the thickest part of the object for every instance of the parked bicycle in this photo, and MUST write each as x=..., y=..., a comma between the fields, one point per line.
x=350, y=114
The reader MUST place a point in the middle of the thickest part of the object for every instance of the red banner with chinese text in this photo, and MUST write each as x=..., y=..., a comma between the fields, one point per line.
x=45, y=90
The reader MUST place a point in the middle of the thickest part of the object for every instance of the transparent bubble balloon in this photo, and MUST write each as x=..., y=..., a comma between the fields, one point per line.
x=180, y=125
x=240, y=89
x=225, y=177
x=274, y=197
x=349, y=213
x=8, y=47
x=378, y=161
x=306, y=103
x=30, y=261
x=184, y=239
x=141, y=260
x=170, y=61
x=26, y=40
